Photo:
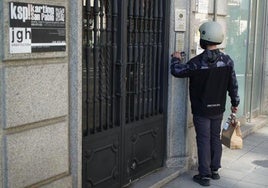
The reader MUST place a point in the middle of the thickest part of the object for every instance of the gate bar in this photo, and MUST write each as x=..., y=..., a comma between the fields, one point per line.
x=95, y=56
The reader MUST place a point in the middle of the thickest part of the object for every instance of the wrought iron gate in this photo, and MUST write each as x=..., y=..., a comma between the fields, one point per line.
x=123, y=90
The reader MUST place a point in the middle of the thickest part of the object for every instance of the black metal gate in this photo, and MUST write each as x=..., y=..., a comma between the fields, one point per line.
x=124, y=80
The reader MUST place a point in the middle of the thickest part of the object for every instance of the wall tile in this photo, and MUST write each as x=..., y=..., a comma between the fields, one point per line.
x=36, y=155
x=35, y=93
x=62, y=183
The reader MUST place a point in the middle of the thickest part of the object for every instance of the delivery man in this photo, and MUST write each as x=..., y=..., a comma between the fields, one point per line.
x=211, y=75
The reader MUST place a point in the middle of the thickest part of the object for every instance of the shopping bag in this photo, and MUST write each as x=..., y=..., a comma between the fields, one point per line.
x=231, y=135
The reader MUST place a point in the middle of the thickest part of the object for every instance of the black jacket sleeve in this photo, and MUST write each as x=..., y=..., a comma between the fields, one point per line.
x=178, y=69
x=233, y=87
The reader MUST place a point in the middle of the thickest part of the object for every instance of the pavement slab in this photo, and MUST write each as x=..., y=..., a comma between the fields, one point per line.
x=244, y=168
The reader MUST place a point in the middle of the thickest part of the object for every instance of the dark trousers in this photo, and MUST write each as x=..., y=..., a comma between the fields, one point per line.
x=208, y=141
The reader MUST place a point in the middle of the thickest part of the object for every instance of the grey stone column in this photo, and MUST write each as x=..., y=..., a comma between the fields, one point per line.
x=75, y=89
x=1, y=91
x=177, y=127
x=264, y=106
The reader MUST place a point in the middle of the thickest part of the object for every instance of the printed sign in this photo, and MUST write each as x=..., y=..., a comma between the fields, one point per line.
x=36, y=28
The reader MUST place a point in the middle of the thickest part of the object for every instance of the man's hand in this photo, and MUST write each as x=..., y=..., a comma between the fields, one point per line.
x=234, y=109
x=176, y=55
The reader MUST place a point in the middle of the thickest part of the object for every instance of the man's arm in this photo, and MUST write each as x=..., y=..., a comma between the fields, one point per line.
x=233, y=90
x=177, y=68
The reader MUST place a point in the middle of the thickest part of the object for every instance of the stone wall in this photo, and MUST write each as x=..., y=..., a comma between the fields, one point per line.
x=39, y=132
x=1, y=92
x=177, y=155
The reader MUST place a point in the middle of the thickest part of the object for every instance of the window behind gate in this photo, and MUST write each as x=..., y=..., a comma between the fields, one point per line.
x=100, y=68
x=144, y=48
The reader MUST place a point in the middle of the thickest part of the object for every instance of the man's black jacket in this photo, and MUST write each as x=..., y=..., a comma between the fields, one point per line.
x=211, y=75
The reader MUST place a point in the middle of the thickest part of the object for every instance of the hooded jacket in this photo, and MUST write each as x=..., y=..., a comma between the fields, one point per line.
x=211, y=75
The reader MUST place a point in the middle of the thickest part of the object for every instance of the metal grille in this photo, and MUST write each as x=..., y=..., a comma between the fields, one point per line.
x=99, y=65
x=123, y=87
x=144, y=52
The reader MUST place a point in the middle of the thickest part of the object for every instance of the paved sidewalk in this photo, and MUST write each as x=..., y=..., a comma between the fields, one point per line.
x=246, y=168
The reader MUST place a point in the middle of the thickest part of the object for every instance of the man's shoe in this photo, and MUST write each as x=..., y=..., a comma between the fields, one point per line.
x=215, y=175
x=202, y=180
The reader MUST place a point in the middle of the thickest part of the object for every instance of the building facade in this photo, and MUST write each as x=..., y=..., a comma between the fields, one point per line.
x=87, y=99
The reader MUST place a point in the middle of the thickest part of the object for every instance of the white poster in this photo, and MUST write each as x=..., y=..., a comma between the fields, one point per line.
x=36, y=28
x=20, y=41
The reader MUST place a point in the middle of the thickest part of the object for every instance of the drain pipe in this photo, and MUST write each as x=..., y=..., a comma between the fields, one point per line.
x=215, y=10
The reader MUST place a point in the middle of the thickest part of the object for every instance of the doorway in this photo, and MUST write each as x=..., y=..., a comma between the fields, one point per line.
x=124, y=90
